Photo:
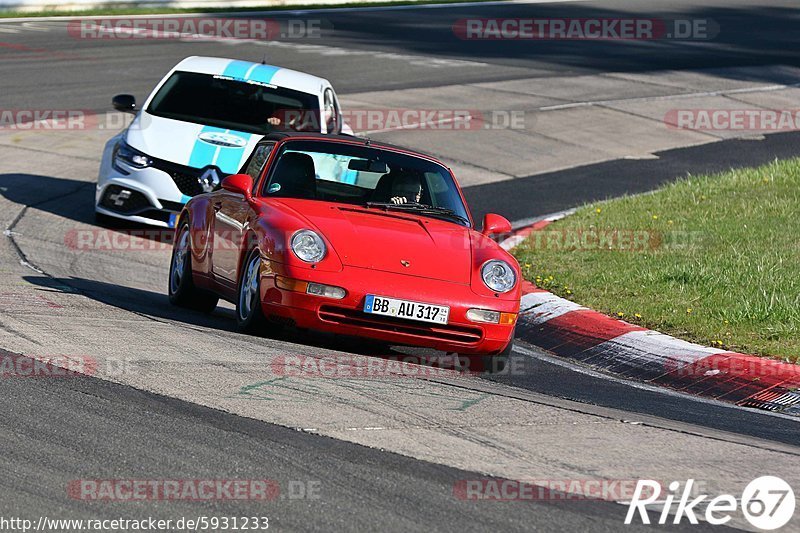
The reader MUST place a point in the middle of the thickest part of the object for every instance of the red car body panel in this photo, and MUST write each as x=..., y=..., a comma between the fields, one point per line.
x=367, y=253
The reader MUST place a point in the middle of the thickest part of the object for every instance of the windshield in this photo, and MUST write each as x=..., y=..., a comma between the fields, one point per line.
x=224, y=102
x=364, y=176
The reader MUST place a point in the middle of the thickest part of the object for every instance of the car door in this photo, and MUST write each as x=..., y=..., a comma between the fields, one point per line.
x=231, y=212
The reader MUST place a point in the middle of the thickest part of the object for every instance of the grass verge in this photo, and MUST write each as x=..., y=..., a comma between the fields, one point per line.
x=116, y=11
x=711, y=259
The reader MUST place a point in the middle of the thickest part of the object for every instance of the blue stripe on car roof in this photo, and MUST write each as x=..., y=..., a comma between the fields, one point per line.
x=237, y=69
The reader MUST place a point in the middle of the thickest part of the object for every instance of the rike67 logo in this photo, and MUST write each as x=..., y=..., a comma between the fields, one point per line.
x=767, y=503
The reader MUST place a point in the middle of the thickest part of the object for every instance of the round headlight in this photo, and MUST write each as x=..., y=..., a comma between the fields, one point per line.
x=498, y=275
x=308, y=246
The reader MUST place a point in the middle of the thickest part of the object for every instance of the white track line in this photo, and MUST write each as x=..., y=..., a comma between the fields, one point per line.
x=724, y=92
x=32, y=26
x=552, y=217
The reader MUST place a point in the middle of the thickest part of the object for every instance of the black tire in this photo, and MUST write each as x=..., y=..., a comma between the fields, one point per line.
x=250, y=317
x=181, y=288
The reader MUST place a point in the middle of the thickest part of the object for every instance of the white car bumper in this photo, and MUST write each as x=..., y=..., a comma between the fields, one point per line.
x=154, y=195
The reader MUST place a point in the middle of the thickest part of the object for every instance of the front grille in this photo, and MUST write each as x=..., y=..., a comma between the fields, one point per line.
x=187, y=183
x=186, y=178
x=350, y=317
x=124, y=201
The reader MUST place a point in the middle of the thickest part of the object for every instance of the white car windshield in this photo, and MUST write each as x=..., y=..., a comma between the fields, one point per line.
x=247, y=106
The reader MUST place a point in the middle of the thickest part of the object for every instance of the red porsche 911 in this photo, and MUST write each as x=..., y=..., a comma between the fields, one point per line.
x=353, y=237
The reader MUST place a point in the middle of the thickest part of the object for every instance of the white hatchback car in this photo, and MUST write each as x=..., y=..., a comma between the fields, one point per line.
x=199, y=125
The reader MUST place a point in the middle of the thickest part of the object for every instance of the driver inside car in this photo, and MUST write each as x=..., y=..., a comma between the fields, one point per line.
x=406, y=189
x=286, y=119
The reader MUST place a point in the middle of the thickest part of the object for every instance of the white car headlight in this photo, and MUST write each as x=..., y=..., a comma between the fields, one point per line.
x=308, y=246
x=498, y=275
x=131, y=156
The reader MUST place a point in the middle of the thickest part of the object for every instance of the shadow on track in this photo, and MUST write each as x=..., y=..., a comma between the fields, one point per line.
x=70, y=199
x=157, y=305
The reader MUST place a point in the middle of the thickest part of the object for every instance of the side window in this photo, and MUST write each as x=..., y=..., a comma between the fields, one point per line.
x=255, y=164
x=331, y=112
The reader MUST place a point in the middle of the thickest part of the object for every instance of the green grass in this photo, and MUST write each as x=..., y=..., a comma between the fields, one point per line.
x=114, y=11
x=721, y=265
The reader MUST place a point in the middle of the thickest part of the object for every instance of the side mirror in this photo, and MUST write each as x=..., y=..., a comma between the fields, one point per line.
x=239, y=183
x=125, y=103
x=495, y=225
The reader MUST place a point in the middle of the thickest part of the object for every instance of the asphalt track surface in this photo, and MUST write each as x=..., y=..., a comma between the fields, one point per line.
x=55, y=431
x=360, y=489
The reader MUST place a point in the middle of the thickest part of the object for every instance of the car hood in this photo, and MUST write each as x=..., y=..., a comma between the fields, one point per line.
x=190, y=144
x=392, y=242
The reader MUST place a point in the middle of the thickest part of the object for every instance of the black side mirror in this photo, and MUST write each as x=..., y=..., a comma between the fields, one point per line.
x=125, y=103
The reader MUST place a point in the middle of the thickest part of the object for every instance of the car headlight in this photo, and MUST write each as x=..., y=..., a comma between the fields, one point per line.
x=308, y=246
x=498, y=275
x=131, y=156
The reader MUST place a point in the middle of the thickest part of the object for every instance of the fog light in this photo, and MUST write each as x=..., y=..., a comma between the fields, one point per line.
x=491, y=317
x=483, y=315
x=317, y=289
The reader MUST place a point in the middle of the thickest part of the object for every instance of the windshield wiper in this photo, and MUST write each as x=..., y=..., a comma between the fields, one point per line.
x=423, y=209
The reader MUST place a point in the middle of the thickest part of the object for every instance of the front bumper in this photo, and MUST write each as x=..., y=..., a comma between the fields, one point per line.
x=154, y=195
x=346, y=316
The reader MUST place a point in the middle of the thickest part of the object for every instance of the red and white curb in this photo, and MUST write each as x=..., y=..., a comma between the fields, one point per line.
x=572, y=331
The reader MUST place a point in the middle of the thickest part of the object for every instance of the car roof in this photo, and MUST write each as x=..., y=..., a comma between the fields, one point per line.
x=248, y=70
